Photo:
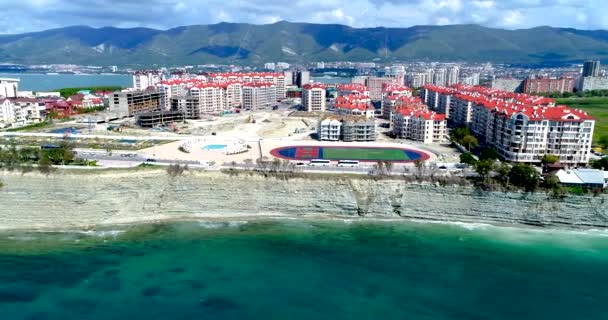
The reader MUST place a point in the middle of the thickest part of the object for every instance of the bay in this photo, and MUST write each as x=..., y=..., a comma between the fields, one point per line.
x=297, y=269
x=50, y=82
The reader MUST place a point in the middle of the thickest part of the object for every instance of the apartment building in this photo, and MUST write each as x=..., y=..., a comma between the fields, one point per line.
x=145, y=79
x=347, y=89
x=329, y=129
x=346, y=128
x=393, y=102
x=130, y=103
x=391, y=93
x=9, y=87
x=375, y=85
x=549, y=85
x=354, y=105
x=314, y=97
x=414, y=121
x=259, y=95
x=18, y=112
x=276, y=78
x=521, y=127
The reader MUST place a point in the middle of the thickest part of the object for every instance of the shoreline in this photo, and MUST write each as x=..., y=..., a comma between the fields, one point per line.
x=149, y=196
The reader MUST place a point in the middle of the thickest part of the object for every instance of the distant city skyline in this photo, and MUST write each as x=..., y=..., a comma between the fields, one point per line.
x=36, y=15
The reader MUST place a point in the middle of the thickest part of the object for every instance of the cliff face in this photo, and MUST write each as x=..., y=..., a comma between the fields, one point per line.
x=68, y=201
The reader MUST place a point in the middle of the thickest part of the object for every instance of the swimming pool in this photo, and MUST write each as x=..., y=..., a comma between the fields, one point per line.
x=70, y=130
x=214, y=147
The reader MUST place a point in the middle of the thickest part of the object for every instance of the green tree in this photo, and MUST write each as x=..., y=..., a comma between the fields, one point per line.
x=524, y=176
x=601, y=164
x=45, y=165
x=502, y=173
x=467, y=158
x=457, y=134
x=549, y=159
x=603, y=141
x=470, y=142
x=483, y=168
x=489, y=154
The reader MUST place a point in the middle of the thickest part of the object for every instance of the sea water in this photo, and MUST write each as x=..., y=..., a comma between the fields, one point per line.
x=50, y=82
x=296, y=269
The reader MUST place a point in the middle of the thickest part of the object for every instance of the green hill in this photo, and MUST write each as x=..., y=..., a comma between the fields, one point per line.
x=301, y=42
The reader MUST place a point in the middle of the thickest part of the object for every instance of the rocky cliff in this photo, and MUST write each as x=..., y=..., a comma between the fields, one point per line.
x=82, y=200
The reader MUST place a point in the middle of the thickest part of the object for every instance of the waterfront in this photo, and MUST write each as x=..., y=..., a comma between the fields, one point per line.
x=49, y=82
x=304, y=270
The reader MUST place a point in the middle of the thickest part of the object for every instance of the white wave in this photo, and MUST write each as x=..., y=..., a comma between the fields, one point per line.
x=100, y=233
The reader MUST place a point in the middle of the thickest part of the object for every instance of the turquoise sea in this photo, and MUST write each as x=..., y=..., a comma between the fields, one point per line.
x=49, y=82
x=304, y=270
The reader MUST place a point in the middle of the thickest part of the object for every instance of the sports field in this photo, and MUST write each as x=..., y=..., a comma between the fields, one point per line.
x=349, y=153
x=597, y=107
x=364, y=154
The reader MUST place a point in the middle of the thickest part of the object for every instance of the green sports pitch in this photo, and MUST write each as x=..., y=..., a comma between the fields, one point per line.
x=379, y=154
x=349, y=153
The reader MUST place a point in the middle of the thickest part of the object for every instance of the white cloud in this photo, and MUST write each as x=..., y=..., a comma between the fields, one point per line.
x=512, y=18
x=32, y=15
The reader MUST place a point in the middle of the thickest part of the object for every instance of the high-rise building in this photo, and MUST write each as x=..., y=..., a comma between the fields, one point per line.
x=591, y=68
x=313, y=97
x=259, y=95
x=302, y=78
x=548, y=85
x=130, y=103
x=375, y=85
x=9, y=87
x=453, y=75
x=289, y=78
x=522, y=128
x=440, y=77
x=144, y=79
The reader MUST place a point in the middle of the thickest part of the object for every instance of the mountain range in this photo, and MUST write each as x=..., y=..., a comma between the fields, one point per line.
x=242, y=43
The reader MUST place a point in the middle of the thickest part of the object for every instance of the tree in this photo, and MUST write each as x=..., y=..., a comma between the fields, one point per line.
x=549, y=159
x=388, y=165
x=502, y=171
x=45, y=165
x=489, y=154
x=467, y=158
x=470, y=141
x=380, y=168
x=419, y=164
x=524, y=176
x=457, y=134
x=603, y=141
x=483, y=168
x=601, y=164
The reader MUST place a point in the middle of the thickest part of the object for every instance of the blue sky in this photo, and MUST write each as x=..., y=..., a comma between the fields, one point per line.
x=33, y=15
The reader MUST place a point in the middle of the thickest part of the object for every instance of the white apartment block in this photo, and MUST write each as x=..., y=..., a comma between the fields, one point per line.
x=259, y=95
x=391, y=103
x=9, y=88
x=277, y=79
x=416, y=122
x=313, y=97
x=329, y=129
x=18, y=112
x=210, y=98
x=522, y=128
x=144, y=79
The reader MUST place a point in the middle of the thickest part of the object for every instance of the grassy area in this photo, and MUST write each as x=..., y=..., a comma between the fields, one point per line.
x=596, y=106
x=67, y=92
x=364, y=154
x=40, y=125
